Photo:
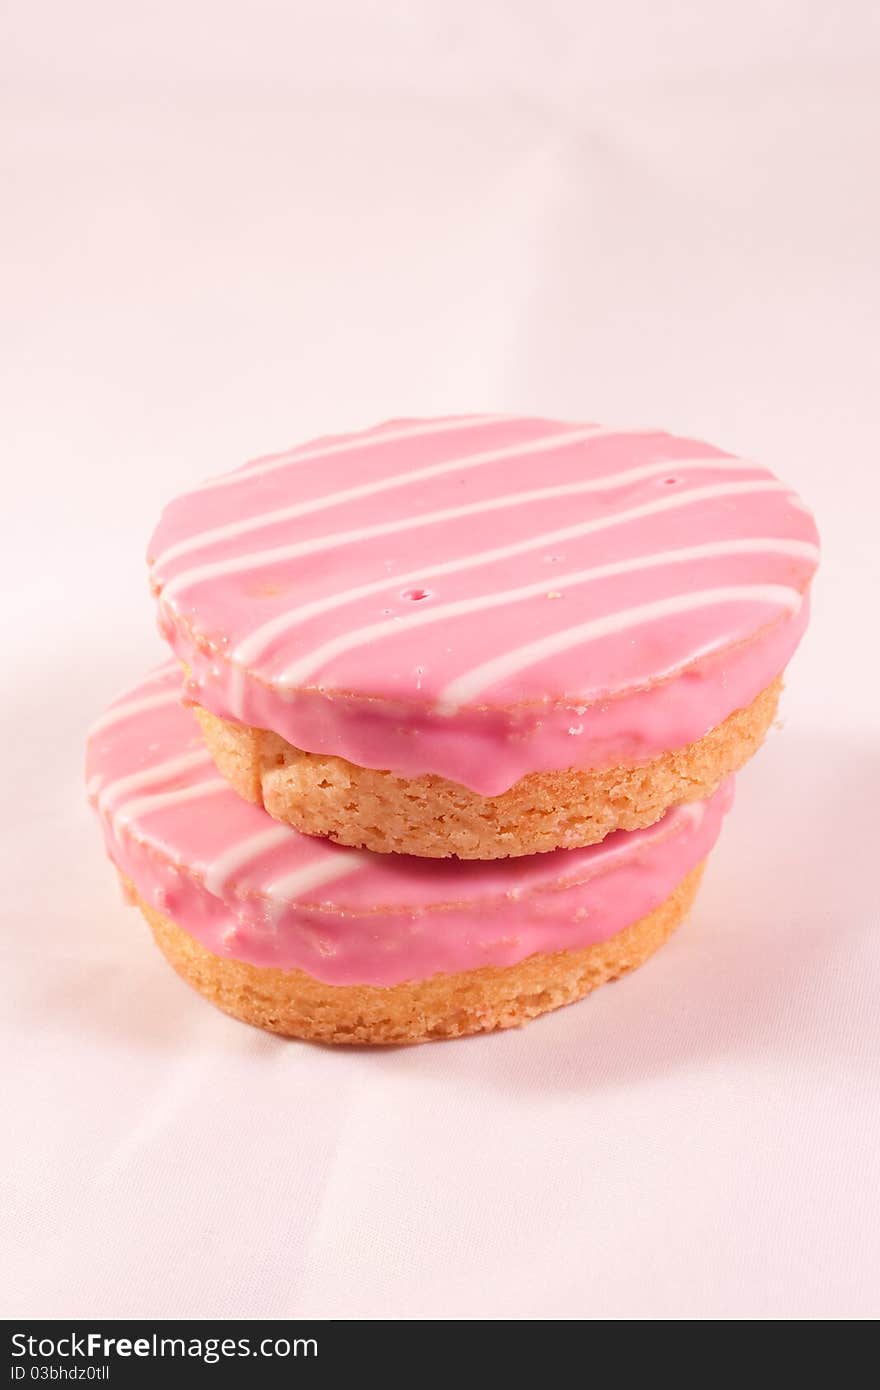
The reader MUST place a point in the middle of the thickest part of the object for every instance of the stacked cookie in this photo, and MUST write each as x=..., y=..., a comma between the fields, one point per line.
x=452, y=719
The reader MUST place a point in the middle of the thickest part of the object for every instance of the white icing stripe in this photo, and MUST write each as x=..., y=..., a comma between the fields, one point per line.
x=349, y=445
x=155, y=678
x=413, y=475
x=261, y=558
x=237, y=690
x=159, y=801
x=129, y=708
x=285, y=889
x=489, y=673
x=159, y=772
x=373, y=632
x=251, y=647
x=802, y=507
x=686, y=815
x=220, y=870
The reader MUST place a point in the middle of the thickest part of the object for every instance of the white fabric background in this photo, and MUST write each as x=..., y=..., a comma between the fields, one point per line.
x=229, y=226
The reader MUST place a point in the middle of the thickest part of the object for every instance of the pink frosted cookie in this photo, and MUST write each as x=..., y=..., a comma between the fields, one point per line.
x=484, y=636
x=302, y=937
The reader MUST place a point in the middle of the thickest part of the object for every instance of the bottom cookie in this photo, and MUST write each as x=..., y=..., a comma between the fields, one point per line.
x=294, y=1004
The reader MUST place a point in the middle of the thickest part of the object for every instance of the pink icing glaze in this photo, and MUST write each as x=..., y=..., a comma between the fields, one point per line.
x=254, y=890
x=486, y=597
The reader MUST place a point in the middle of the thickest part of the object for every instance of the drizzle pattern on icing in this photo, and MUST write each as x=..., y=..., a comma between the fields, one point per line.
x=256, y=891
x=391, y=433
x=240, y=854
x=341, y=595
x=257, y=559
x=355, y=493
x=472, y=683
x=160, y=801
x=160, y=772
x=300, y=672
x=123, y=708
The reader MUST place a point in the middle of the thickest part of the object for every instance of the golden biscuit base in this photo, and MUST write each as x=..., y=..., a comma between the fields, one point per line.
x=435, y=818
x=295, y=1005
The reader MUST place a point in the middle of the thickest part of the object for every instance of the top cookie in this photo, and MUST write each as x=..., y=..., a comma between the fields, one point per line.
x=485, y=597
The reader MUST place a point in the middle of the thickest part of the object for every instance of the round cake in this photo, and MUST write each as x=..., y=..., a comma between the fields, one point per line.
x=305, y=938
x=484, y=636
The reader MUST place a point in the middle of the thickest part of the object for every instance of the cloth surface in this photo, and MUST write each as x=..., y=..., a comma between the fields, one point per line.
x=230, y=227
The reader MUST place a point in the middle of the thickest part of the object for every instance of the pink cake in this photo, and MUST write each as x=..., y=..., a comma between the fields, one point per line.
x=302, y=936
x=484, y=636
